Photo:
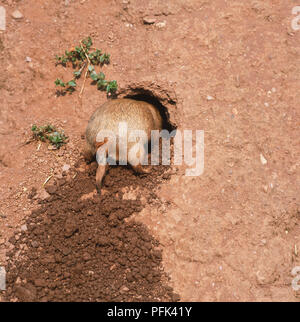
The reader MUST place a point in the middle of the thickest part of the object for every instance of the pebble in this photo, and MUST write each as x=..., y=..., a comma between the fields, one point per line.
x=28, y=59
x=42, y=195
x=209, y=98
x=34, y=244
x=124, y=289
x=17, y=15
x=149, y=20
x=263, y=160
x=66, y=167
x=18, y=280
x=161, y=24
x=51, y=189
x=24, y=227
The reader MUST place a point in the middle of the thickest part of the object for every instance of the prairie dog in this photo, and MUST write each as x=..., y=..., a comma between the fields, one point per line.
x=138, y=115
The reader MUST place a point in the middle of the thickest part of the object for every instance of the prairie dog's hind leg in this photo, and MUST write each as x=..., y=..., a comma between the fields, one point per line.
x=101, y=170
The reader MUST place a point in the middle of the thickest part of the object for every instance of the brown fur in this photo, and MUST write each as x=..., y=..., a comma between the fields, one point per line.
x=138, y=115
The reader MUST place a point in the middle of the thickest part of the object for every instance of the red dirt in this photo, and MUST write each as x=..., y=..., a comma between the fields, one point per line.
x=231, y=234
x=79, y=247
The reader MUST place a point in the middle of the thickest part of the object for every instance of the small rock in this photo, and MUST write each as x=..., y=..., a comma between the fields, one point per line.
x=263, y=160
x=42, y=195
x=18, y=280
x=24, y=227
x=28, y=59
x=161, y=24
x=149, y=20
x=17, y=15
x=34, y=244
x=66, y=167
x=51, y=189
x=26, y=294
x=124, y=289
x=209, y=98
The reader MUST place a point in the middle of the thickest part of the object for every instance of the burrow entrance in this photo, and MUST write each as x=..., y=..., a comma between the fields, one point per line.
x=141, y=94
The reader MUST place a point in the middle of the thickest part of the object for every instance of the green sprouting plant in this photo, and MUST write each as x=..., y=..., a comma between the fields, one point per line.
x=85, y=57
x=69, y=86
x=49, y=133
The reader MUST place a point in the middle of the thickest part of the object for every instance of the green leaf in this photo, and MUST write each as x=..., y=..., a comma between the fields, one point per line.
x=59, y=82
x=72, y=83
x=101, y=75
x=101, y=84
x=112, y=87
x=91, y=68
x=102, y=58
x=94, y=76
x=77, y=73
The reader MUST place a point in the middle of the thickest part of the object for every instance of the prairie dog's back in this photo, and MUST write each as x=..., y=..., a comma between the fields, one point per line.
x=138, y=115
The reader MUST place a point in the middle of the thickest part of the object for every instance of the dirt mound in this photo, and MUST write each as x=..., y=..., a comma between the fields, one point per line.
x=80, y=246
